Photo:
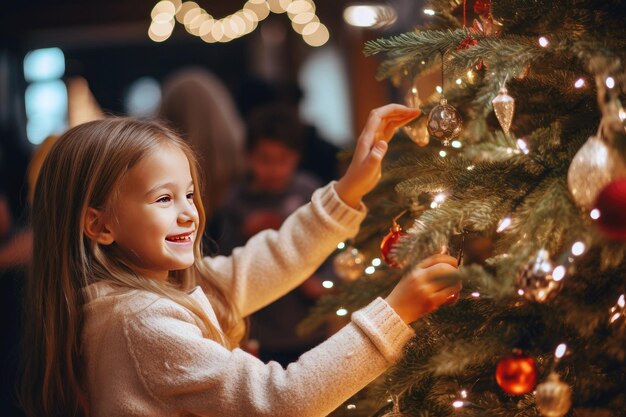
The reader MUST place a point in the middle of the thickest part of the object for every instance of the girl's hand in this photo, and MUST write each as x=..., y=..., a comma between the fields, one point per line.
x=364, y=170
x=425, y=288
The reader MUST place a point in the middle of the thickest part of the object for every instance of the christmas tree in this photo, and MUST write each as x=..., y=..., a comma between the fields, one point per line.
x=531, y=196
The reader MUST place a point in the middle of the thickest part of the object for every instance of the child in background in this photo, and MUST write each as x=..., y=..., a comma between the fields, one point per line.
x=126, y=318
x=274, y=189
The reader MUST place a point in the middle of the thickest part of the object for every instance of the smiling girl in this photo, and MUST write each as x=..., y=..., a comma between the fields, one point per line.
x=126, y=318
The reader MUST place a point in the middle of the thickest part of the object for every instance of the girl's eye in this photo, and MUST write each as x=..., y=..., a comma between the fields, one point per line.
x=190, y=196
x=164, y=199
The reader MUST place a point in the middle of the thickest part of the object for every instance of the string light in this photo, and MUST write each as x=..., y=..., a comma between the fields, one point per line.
x=456, y=144
x=610, y=82
x=558, y=273
x=342, y=312
x=521, y=144
x=443, y=153
x=504, y=223
x=475, y=294
x=328, y=284
x=458, y=81
x=560, y=351
x=370, y=270
x=543, y=41
x=580, y=83
x=439, y=89
x=341, y=245
x=376, y=262
x=578, y=248
x=199, y=23
x=594, y=214
x=618, y=311
x=470, y=167
x=429, y=12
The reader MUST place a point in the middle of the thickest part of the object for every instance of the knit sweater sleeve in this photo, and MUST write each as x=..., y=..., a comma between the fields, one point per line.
x=272, y=263
x=183, y=371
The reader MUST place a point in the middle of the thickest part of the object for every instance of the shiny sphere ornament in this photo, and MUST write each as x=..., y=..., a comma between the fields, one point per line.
x=444, y=122
x=349, y=264
x=611, y=204
x=387, y=244
x=593, y=167
x=553, y=397
x=516, y=374
x=535, y=281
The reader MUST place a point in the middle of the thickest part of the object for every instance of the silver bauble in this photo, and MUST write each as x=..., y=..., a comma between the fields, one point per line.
x=593, y=167
x=535, y=281
x=553, y=397
x=349, y=264
x=444, y=122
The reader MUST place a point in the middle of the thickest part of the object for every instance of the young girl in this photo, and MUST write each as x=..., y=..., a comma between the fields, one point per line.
x=127, y=319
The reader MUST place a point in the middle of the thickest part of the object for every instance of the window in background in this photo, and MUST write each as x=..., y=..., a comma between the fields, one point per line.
x=46, y=94
x=326, y=102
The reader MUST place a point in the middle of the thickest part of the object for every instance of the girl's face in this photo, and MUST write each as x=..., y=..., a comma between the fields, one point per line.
x=154, y=220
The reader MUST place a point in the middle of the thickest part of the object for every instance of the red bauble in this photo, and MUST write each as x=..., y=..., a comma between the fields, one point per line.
x=516, y=374
x=482, y=7
x=388, y=242
x=611, y=204
x=467, y=42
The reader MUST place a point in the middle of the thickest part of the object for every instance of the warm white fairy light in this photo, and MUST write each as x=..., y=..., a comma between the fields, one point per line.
x=199, y=23
x=475, y=294
x=429, y=12
x=521, y=144
x=458, y=404
x=370, y=270
x=341, y=245
x=440, y=198
x=560, y=351
x=443, y=153
x=580, y=83
x=376, y=262
x=342, y=312
x=621, y=114
x=456, y=144
x=558, y=273
x=610, y=82
x=458, y=81
x=504, y=223
x=328, y=284
x=617, y=311
x=543, y=41
x=439, y=89
x=351, y=406
x=594, y=214
x=578, y=248
x=470, y=167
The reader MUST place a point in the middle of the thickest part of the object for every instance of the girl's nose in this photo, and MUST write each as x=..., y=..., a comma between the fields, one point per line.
x=187, y=213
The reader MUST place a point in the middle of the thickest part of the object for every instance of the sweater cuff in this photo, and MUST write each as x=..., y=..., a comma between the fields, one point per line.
x=337, y=209
x=384, y=327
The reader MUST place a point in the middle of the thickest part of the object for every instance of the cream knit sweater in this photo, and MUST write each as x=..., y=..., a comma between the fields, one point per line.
x=144, y=355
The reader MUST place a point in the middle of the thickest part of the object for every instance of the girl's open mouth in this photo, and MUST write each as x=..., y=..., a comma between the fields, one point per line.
x=182, y=238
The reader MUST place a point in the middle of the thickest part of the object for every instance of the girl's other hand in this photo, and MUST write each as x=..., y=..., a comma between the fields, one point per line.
x=425, y=288
x=364, y=170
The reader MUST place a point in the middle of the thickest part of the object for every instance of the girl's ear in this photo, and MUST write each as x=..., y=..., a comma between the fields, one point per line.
x=95, y=227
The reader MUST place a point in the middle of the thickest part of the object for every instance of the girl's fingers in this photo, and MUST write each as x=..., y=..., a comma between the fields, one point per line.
x=436, y=259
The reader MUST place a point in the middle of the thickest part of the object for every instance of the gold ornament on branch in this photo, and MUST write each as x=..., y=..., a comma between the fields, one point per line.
x=553, y=397
x=504, y=107
x=594, y=166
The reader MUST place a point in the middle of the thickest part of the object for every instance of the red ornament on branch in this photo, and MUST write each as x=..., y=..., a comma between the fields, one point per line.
x=388, y=242
x=517, y=374
x=611, y=204
x=482, y=7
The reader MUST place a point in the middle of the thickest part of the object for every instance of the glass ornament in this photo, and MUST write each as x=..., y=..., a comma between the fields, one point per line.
x=444, y=122
x=504, y=107
x=553, y=397
x=535, y=281
x=349, y=264
x=388, y=243
x=593, y=167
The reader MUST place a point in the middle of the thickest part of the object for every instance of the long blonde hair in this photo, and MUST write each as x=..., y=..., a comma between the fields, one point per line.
x=83, y=170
